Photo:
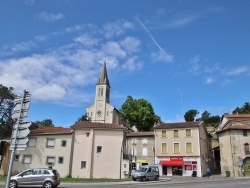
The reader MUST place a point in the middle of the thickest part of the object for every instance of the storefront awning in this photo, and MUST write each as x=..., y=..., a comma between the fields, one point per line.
x=171, y=163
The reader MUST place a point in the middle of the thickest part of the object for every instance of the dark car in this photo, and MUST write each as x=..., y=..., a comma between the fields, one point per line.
x=37, y=177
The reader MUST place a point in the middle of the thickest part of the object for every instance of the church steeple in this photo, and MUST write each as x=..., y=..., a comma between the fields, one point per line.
x=103, y=79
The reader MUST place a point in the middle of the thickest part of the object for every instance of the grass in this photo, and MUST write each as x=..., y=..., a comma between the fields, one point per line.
x=81, y=180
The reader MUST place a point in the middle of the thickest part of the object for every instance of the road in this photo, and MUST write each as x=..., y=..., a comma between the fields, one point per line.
x=178, y=183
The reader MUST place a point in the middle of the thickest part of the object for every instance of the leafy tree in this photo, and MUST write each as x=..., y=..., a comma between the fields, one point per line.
x=245, y=109
x=6, y=107
x=213, y=120
x=205, y=115
x=45, y=122
x=190, y=115
x=84, y=118
x=138, y=113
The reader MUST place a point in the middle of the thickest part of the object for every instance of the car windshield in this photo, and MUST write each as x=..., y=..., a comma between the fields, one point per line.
x=142, y=169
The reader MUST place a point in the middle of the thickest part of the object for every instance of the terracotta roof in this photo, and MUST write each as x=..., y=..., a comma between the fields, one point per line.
x=178, y=125
x=94, y=125
x=230, y=116
x=51, y=130
x=140, y=134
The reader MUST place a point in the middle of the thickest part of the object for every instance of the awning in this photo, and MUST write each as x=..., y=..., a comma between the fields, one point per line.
x=171, y=163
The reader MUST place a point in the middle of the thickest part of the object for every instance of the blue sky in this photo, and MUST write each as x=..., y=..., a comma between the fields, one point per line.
x=178, y=55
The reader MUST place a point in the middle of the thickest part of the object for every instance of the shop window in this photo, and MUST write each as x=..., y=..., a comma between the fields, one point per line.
x=188, y=167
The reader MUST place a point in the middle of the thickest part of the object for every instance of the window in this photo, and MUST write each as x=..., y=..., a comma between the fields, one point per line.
x=27, y=159
x=246, y=147
x=125, y=166
x=83, y=164
x=16, y=158
x=188, y=132
x=133, y=141
x=32, y=142
x=164, y=148
x=163, y=134
x=51, y=160
x=50, y=142
x=133, y=151
x=244, y=132
x=176, y=148
x=144, y=141
x=64, y=143
x=176, y=133
x=87, y=134
x=99, y=149
x=145, y=152
x=60, y=160
x=189, y=147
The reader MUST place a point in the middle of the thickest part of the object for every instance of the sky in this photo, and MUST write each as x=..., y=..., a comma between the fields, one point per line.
x=178, y=55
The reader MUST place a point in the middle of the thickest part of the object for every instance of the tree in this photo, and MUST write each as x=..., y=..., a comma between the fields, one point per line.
x=190, y=115
x=84, y=118
x=205, y=116
x=245, y=109
x=138, y=113
x=7, y=98
x=45, y=122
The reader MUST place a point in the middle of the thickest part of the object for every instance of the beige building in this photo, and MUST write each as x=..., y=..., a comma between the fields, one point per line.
x=183, y=148
x=141, y=147
x=234, y=140
x=47, y=146
x=99, y=151
x=101, y=111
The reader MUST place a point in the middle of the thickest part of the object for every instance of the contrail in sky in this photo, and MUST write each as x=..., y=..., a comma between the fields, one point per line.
x=151, y=36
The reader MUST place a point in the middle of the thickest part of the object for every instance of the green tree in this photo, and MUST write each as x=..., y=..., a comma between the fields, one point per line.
x=138, y=113
x=205, y=116
x=84, y=118
x=190, y=115
x=245, y=109
x=6, y=109
x=45, y=122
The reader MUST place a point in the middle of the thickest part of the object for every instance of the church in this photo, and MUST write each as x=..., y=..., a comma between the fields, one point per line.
x=101, y=111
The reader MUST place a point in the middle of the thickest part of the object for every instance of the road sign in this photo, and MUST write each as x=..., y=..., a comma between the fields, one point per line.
x=20, y=143
x=22, y=125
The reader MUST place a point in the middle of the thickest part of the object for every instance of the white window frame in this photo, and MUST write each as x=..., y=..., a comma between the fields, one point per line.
x=144, y=151
x=32, y=142
x=49, y=142
x=133, y=151
x=144, y=141
x=27, y=159
x=50, y=160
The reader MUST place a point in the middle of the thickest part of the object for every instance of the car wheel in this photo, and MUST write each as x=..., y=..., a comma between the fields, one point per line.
x=134, y=179
x=13, y=184
x=157, y=178
x=144, y=178
x=48, y=184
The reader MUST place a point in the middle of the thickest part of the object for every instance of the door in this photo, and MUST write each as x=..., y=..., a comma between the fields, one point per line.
x=37, y=177
x=247, y=166
x=25, y=178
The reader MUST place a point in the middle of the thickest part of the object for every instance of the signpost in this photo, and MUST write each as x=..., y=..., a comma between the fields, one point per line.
x=20, y=130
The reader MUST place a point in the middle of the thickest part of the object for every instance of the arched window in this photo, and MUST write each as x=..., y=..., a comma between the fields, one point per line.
x=246, y=147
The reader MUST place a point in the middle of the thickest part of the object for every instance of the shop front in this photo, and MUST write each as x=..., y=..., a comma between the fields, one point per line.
x=179, y=166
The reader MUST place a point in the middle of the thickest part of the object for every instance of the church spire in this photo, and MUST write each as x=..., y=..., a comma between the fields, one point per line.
x=103, y=79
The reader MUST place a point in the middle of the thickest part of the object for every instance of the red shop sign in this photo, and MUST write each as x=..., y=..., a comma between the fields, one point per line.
x=176, y=158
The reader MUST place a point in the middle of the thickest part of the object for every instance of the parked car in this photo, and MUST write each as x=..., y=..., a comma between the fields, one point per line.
x=38, y=177
x=146, y=173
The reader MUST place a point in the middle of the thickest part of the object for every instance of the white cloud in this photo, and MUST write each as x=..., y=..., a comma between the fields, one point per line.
x=117, y=28
x=29, y=2
x=112, y=48
x=41, y=38
x=131, y=44
x=23, y=46
x=50, y=17
x=162, y=57
x=131, y=64
x=195, y=65
x=209, y=80
x=86, y=40
x=238, y=70
x=182, y=21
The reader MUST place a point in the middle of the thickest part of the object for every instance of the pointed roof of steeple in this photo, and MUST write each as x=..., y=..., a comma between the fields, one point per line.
x=103, y=79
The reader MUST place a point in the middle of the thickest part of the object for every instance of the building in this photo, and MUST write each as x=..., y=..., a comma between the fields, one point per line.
x=141, y=147
x=183, y=148
x=47, y=147
x=102, y=111
x=234, y=140
x=99, y=151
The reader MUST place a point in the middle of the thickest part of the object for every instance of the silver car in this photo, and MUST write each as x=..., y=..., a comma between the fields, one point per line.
x=37, y=177
x=146, y=173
